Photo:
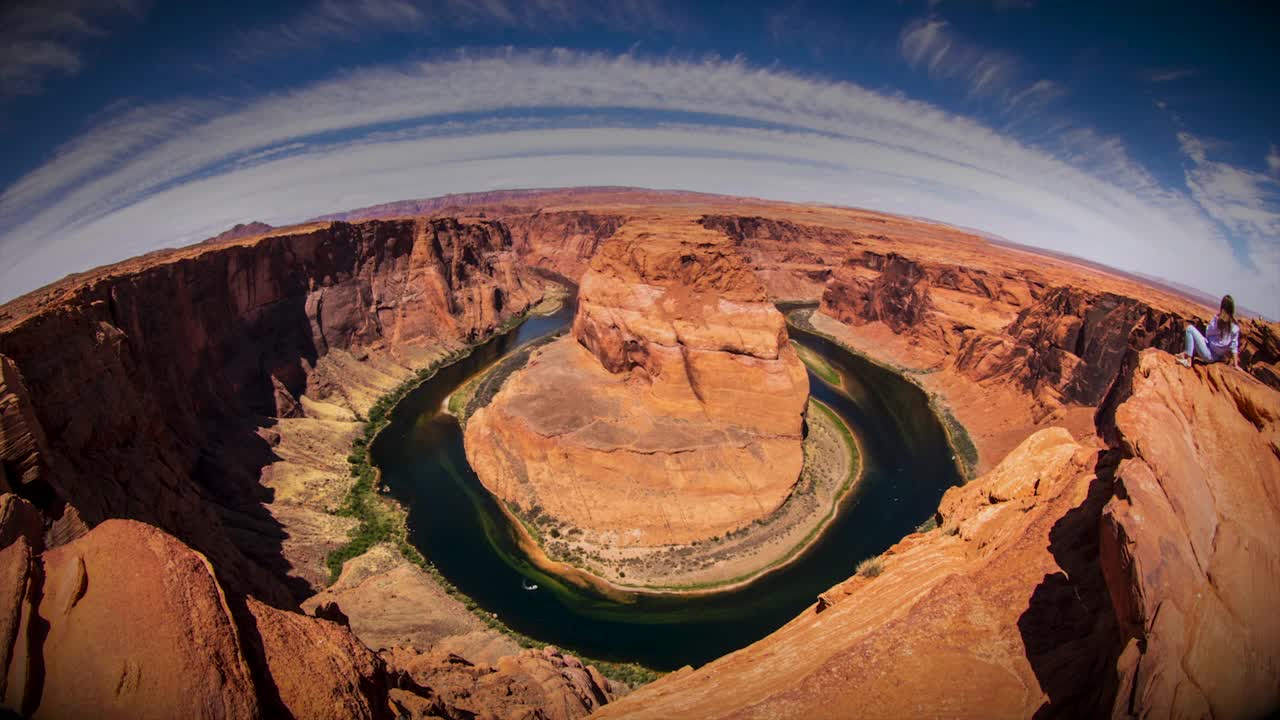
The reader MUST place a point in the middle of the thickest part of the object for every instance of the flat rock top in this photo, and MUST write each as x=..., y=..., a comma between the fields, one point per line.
x=565, y=393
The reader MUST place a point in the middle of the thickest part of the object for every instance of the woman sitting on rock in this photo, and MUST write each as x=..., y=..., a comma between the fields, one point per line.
x=1220, y=341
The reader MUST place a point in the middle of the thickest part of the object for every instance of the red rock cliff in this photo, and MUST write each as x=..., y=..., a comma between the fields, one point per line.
x=1069, y=346
x=1189, y=542
x=136, y=391
x=898, y=296
x=1136, y=582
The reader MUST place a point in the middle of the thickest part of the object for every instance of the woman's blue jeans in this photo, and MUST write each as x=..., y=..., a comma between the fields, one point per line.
x=1197, y=342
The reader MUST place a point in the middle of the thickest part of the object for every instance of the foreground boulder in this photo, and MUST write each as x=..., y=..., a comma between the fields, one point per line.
x=530, y=684
x=145, y=632
x=673, y=412
x=128, y=622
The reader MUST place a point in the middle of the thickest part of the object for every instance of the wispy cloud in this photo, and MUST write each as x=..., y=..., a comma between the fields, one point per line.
x=347, y=19
x=1245, y=202
x=1273, y=160
x=930, y=44
x=43, y=38
x=563, y=118
x=1170, y=75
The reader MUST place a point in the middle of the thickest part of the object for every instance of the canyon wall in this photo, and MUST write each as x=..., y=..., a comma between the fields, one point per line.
x=1069, y=345
x=139, y=391
x=1123, y=567
x=189, y=389
x=562, y=241
x=1189, y=542
x=1067, y=582
x=793, y=259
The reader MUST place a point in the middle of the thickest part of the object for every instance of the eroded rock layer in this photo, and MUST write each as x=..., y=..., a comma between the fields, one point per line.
x=1190, y=546
x=154, y=377
x=674, y=411
x=1069, y=345
x=1135, y=582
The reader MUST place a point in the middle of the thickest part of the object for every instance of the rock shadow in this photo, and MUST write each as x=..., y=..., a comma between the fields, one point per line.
x=1069, y=628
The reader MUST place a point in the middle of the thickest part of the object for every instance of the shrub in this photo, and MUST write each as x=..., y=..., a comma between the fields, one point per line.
x=871, y=567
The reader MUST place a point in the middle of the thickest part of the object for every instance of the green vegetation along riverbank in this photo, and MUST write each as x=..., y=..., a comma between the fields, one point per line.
x=965, y=451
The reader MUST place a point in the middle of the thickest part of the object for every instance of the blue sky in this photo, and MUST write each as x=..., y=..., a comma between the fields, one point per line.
x=1145, y=136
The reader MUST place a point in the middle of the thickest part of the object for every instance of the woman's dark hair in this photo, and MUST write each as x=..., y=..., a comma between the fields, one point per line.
x=1228, y=306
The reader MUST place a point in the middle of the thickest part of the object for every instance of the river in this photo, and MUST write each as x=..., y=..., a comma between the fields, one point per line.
x=455, y=523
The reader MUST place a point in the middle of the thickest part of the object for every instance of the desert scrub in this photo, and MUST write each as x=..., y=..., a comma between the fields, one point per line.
x=379, y=520
x=966, y=451
x=459, y=398
x=871, y=567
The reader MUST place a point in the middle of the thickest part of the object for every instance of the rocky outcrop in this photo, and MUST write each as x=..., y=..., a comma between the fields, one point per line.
x=1069, y=347
x=313, y=668
x=127, y=621
x=898, y=296
x=113, y=649
x=673, y=412
x=1260, y=350
x=562, y=241
x=1189, y=543
x=533, y=683
x=958, y=622
x=154, y=376
x=1135, y=582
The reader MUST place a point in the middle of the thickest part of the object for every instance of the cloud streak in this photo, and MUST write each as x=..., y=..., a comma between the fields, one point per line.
x=930, y=44
x=1170, y=75
x=1245, y=202
x=350, y=19
x=41, y=39
x=561, y=118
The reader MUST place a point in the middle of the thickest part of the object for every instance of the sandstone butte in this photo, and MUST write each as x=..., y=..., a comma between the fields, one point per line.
x=181, y=420
x=674, y=410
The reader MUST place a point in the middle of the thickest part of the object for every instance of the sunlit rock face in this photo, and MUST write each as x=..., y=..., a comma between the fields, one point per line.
x=674, y=411
x=679, y=309
x=1135, y=581
x=1189, y=542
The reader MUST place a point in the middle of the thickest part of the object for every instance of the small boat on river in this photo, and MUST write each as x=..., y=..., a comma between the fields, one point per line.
x=527, y=585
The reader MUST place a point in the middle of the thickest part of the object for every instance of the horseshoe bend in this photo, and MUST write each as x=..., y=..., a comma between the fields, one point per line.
x=800, y=460
x=671, y=414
